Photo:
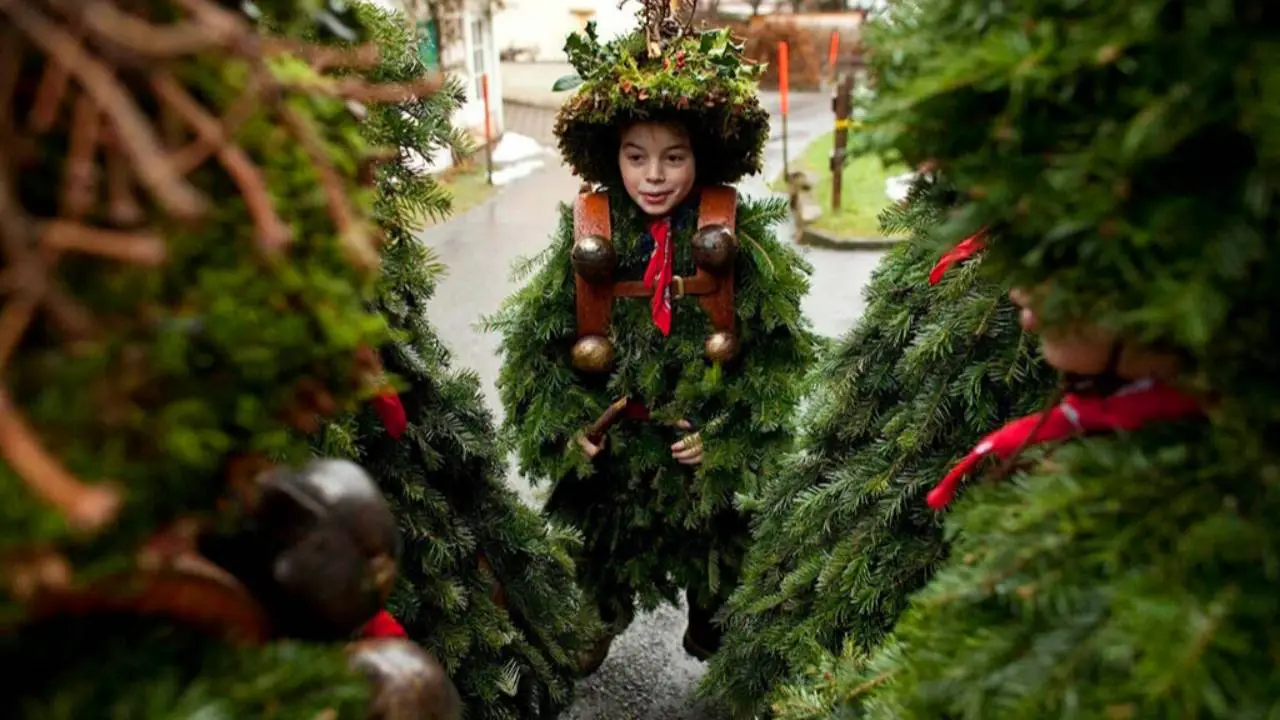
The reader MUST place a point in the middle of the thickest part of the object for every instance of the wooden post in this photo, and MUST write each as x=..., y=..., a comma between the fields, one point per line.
x=842, y=106
x=783, y=81
x=488, y=127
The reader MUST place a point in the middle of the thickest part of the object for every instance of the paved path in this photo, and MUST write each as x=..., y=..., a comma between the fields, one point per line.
x=648, y=676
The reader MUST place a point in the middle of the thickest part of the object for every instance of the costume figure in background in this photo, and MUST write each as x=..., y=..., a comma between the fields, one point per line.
x=653, y=360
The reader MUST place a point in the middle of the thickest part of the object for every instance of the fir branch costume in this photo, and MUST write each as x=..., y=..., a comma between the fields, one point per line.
x=654, y=527
x=485, y=583
x=842, y=540
x=188, y=258
x=1130, y=573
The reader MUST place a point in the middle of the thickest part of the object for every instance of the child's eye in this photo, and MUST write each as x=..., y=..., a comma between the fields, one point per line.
x=635, y=158
x=675, y=159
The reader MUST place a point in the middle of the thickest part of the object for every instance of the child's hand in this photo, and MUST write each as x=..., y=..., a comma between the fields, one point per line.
x=588, y=447
x=688, y=451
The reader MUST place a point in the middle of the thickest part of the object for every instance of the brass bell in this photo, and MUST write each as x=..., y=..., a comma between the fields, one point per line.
x=408, y=682
x=594, y=259
x=714, y=247
x=593, y=353
x=722, y=347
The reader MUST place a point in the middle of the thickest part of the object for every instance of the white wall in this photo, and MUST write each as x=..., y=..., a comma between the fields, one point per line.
x=544, y=24
x=467, y=60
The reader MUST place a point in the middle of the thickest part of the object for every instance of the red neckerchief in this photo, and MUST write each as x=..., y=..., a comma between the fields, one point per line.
x=1130, y=408
x=389, y=408
x=658, y=275
x=964, y=250
x=383, y=625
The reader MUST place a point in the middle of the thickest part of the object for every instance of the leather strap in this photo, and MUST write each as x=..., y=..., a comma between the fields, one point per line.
x=700, y=284
x=718, y=206
x=594, y=302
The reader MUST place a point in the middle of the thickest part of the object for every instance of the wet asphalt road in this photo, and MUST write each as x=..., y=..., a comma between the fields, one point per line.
x=647, y=676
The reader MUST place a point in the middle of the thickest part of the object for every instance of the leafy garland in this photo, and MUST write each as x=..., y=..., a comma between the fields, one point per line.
x=702, y=81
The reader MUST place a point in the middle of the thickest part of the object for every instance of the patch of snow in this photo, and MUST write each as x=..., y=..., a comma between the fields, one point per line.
x=896, y=187
x=511, y=173
x=514, y=147
x=441, y=159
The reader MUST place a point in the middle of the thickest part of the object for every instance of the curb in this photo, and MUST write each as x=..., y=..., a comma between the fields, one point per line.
x=526, y=102
x=811, y=238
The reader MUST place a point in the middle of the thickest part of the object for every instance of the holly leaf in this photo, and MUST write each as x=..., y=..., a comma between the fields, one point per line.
x=567, y=82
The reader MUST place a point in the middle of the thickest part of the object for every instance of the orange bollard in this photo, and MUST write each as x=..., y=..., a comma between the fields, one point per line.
x=784, y=75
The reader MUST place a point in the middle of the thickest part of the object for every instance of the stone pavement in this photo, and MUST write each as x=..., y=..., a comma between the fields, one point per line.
x=647, y=676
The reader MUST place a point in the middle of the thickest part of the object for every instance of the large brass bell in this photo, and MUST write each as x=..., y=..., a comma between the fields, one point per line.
x=714, y=247
x=408, y=683
x=722, y=347
x=594, y=259
x=593, y=353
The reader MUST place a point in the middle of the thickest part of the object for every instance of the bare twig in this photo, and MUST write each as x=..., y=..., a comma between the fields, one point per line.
x=80, y=173
x=85, y=507
x=12, y=48
x=108, y=22
x=360, y=252
x=136, y=135
x=141, y=248
x=321, y=57
x=14, y=321
x=372, y=93
x=49, y=95
x=25, y=269
x=123, y=207
x=273, y=233
x=217, y=19
x=206, y=144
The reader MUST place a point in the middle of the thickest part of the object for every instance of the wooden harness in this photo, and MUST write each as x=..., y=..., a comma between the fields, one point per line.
x=594, y=258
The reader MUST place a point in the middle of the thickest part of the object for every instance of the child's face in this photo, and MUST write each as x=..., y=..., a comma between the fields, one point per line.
x=657, y=166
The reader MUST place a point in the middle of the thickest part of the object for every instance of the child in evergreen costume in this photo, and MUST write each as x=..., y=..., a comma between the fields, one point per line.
x=1121, y=564
x=653, y=362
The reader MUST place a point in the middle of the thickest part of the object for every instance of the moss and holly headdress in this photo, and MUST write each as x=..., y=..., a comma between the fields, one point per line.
x=662, y=71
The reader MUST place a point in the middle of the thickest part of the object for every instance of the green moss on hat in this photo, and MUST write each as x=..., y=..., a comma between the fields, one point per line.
x=701, y=81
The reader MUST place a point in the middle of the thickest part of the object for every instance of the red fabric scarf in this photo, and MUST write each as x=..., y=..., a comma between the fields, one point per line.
x=389, y=408
x=1130, y=408
x=383, y=625
x=658, y=275
x=964, y=250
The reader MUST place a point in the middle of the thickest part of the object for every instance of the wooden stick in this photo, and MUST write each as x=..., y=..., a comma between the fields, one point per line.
x=606, y=419
x=136, y=135
x=139, y=248
x=272, y=232
x=87, y=508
